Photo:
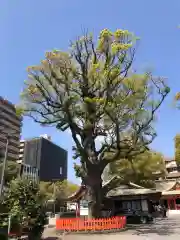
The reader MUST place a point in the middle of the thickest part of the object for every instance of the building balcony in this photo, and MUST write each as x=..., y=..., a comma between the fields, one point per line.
x=21, y=150
x=10, y=109
x=21, y=146
x=13, y=141
x=21, y=156
x=9, y=118
x=12, y=156
x=12, y=137
x=10, y=147
x=7, y=124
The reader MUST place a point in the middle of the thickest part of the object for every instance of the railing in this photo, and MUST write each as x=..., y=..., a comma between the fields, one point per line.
x=90, y=225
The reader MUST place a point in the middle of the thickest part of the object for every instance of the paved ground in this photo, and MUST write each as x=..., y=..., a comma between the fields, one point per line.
x=166, y=229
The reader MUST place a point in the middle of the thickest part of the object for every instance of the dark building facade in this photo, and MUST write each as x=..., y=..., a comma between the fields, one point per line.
x=10, y=126
x=44, y=159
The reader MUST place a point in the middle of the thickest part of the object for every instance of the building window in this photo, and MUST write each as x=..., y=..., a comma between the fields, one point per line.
x=131, y=205
x=84, y=204
x=60, y=170
x=136, y=205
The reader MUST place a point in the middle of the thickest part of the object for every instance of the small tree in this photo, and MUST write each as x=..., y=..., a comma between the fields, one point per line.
x=144, y=169
x=65, y=189
x=25, y=206
x=59, y=189
x=11, y=171
x=93, y=91
x=59, y=192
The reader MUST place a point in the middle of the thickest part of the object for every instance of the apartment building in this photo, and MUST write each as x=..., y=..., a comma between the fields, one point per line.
x=42, y=159
x=10, y=126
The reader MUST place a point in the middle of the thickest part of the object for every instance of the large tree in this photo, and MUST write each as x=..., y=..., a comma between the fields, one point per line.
x=93, y=91
x=143, y=169
x=58, y=192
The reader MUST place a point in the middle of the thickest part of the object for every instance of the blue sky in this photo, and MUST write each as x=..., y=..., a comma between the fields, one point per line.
x=29, y=28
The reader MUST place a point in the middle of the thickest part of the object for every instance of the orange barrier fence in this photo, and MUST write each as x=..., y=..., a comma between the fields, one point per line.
x=77, y=224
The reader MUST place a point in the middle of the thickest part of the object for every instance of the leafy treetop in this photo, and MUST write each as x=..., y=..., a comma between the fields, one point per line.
x=93, y=91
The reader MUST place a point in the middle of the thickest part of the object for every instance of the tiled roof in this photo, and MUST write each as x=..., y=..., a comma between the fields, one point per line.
x=165, y=185
x=173, y=192
x=173, y=175
x=119, y=191
x=122, y=189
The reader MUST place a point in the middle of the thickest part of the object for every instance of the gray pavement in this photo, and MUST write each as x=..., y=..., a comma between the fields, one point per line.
x=162, y=229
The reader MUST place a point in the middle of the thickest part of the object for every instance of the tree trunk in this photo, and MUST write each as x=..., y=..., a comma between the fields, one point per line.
x=95, y=199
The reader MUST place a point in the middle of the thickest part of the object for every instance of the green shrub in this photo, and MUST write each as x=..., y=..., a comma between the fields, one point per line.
x=3, y=236
x=25, y=205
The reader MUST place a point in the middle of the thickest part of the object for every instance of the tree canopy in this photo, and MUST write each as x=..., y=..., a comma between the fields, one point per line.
x=93, y=91
x=143, y=169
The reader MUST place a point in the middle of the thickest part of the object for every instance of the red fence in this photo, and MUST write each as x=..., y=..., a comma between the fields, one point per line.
x=90, y=225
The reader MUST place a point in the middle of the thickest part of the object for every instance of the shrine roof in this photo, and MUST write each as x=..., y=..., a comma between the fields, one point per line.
x=78, y=194
x=173, y=192
x=125, y=191
x=165, y=185
x=173, y=175
x=122, y=189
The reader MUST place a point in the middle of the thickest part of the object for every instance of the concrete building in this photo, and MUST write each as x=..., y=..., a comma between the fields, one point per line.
x=10, y=124
x=43, y=159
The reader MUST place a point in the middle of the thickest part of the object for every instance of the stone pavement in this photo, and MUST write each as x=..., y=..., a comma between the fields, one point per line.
x=162, y=229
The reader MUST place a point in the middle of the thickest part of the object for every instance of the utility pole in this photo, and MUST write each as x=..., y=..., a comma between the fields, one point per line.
x=4, y=166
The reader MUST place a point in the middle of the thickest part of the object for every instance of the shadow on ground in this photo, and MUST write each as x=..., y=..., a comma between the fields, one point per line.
x=162, y=227
x=52, y=238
